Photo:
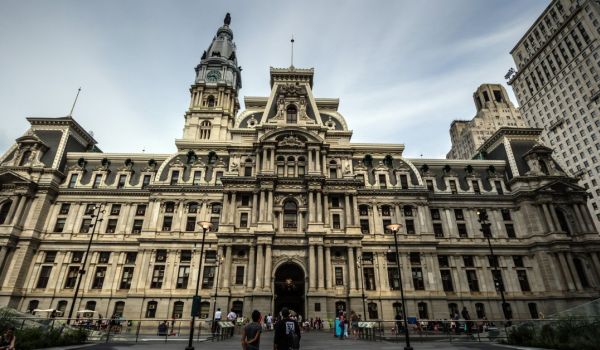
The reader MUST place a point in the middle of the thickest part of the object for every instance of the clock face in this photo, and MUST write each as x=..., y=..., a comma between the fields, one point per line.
x=213, y=75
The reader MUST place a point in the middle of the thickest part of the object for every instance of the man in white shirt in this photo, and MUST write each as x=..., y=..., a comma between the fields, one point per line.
x=217, y=319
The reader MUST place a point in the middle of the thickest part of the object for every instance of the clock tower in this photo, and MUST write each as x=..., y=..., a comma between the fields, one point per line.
x=214, y=94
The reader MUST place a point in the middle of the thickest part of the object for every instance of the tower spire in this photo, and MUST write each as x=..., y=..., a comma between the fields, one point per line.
x=292, y=42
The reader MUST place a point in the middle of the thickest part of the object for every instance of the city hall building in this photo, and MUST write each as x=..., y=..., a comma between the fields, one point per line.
x=298, y=213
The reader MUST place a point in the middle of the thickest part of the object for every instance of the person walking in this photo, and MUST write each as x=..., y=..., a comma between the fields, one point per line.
x=287, y=332
x=251, y=333
x=342, y=325
x=232, y=317
x=467, y=318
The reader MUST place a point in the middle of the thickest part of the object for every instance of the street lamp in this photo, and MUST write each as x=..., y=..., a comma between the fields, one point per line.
x=485, y=229
x=395, y=228
x=81, y=272
x=219, y=261
x=196, y=301
x=362, y=285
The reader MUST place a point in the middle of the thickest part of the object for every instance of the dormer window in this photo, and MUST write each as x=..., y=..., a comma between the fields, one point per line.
x=174, y=177
x=121, y=182
x=73, y=180
x=292, y=114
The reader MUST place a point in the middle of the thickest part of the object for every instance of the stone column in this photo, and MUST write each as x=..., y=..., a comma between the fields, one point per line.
x=588, y=218
x=320, y=266
x=355, y=215
x=548, y=218
x=259, y=267
x=258, y=162
x=272, y=162
x=594, y=255
x=227, y=269
x=398, y=215
x=348, y=218
x=317, y=161
x=351, y=271
x=326, y=209
x=311, y=207
x=232, y=208
x=268, y=264
x=328, y=273
x=13, y=207
x=381, y=271
x=251, y=268
x=225, y=214
x=254, y=207
x=3, y=251
x=310, y=161
x=19, y=210
x=565, y=269
x=582, y=224
x=323, y=163
x=312, y=267
x=376, y=219
x=261, y=213
x=319, y=207
x=554, y=217
x=203, y=213
x=573, y=270
x=269, y=214
x=264, y=161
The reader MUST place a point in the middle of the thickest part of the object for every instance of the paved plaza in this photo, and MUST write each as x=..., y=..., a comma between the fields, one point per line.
x=310, y=341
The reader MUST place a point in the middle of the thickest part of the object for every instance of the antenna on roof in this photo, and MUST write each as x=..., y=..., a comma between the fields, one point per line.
x=292, y=41
x=74, y=102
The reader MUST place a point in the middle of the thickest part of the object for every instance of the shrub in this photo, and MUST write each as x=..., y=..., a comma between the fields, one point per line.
x=35, y=338
x=565, y=334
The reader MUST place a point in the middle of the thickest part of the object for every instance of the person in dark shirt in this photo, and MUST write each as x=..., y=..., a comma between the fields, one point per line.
x=251, y=333
x=283, y=329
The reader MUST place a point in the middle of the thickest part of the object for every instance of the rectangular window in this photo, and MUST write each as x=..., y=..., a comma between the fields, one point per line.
x=137, y=226
x=239, y=275
x=404, y=182
x=140, y=210
x=111, y=227
x=498, y=186
x=438, y=230
x=64, y=209
x=363, y=210
x=476, y=188
x=185, y=256
x=97, y=179
x=157, y=276
x=77, y=257
x=391, y=257
x=415, y=258
x=335, y=202
x=472, y=280
x=317, y=307
x=523, y=281
x=506, y=215
x=174, y=177
x=44, y=276
x=214, y=220
x=462, y=230
x=183, y=277
x=245, y=200
x=435, y=214
x=121, y=182
x=248, y=171
x=71, y=277
x=244, y=220
x=89, y=209
x=146, y=181
x=518, y=261
x=447, y=280
x=458, y=214
x=190, y=224
x=429, y=185
x=510, y=230
x=336, y=221
x=386, y=223
x=98, y=281
x=60, y=225
x=115, y=209
x=209, y=277
x=103, y=257
x=339, y=276
x=50, y=256
x=498, y=281
x=332, y=173
x=468, y=261
x=167, y=222
x=364, y=225
x=408, y=211
x=382, y=181
x=86, y=225
x=417, y=277
x=126, y=278
x=361, y=180
x=443, y=261
x=130, y=257
x=197, y=178
x=385, y=211
x=453, y=187
x=218, y=176
x=369, y=275
x=410, y=226
x=73, y=180
x=394, y=278
x=161, y=255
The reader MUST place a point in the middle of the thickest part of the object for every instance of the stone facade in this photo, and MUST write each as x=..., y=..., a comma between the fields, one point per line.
x=557, y=85
x=299, y=215
x=494, y=110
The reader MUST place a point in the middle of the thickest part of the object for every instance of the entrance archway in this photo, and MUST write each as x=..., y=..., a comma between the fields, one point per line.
x=289, y=288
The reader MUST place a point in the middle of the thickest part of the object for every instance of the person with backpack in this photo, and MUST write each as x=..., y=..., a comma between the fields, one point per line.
x=251, y=333
x=287, y=333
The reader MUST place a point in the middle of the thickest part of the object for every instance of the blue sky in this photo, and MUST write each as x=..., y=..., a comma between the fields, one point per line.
x=403, y=70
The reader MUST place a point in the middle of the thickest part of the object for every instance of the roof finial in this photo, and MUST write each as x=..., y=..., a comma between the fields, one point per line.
x=292, y=41
x=227, y=20
x=74, y=102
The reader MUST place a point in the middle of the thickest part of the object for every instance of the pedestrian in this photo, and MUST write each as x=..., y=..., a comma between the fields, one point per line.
x=399, y=318
x=287, y=332
x=467, y=318
x=232, y=317
x=8, y=339
x=251, y=333
x=354, y=320
x=342, y=325
x=269, y=322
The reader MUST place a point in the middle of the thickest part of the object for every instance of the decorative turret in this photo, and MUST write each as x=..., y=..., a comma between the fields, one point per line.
x=214, y=95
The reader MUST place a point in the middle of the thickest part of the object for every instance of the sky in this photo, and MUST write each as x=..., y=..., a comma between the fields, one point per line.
x=403, y=70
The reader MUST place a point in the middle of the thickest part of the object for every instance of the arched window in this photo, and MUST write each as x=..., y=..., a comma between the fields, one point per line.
x=290, y=215
x=452, y=309
x=333, y=169
x=61, y=307
x=292, y=114
x=119, y=308
x=4, y=211
x=397, y=308
x=205, y=130
x=238, y=307
x=177, y=310
x=581, y=272
x=90, y=305
x=210, y=101
x=25, y=158
x=33, y=304
x=151, y=309
x=423, y=313
x=204, y=309
x=373, y=313
x=480, y=310
x=248, y=167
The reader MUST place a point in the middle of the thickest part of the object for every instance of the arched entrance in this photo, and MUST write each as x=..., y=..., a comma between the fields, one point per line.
x=289, y=288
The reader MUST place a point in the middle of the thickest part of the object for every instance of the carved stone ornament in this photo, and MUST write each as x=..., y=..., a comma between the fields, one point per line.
x=290, y=141
x=292, y=90
x=177, y=163
x=234, y=166
x=220, y=164
x=360, y=166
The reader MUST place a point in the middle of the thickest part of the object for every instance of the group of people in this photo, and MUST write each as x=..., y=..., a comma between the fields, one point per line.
x=347, y=323
x=287, y=332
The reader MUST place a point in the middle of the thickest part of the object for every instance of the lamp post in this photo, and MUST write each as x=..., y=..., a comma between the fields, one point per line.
x=362, y=285
x=96, y=214
x=395, y=228
x=219, y=261
x=485, y=229
x=196, y=301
